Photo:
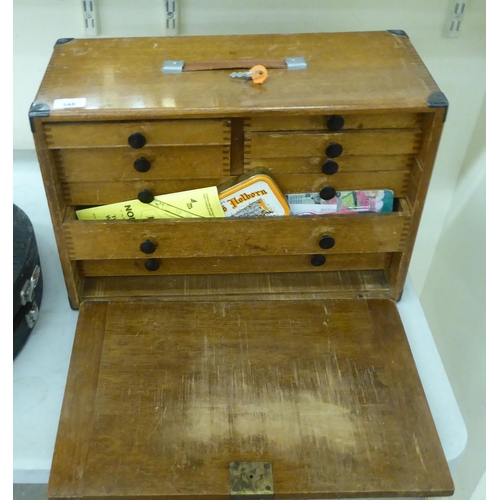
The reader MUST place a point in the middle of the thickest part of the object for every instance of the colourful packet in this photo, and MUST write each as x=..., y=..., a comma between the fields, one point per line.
x=343, y=202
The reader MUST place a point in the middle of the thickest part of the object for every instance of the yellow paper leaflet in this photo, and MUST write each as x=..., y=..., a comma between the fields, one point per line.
x=197, y=203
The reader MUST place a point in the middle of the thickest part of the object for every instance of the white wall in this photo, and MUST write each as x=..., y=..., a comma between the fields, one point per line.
x=480, y=490
x=444, y=280
x=454, y=301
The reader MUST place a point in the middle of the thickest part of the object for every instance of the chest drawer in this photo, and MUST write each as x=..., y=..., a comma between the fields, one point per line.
x=99, y=176
x=311, y=183
x=319, y=263
x=104, y=192
x=334, y=144
x=358, y=121
x=150, y=163
x=320, y=164
x=237, y=237
x=137, y=134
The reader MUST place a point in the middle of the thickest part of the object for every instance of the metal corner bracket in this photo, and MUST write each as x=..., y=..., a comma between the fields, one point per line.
x=37, y=110
x=62, y=41
x=438, y=100
x=399, y=33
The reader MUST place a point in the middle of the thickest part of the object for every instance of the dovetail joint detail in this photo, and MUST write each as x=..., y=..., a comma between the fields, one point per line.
x=226, y=149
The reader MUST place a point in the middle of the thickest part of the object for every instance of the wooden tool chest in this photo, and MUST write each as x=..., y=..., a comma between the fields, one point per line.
x=241, y=358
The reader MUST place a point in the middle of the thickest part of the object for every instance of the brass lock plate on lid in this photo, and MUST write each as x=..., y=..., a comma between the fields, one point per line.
x=251, y=480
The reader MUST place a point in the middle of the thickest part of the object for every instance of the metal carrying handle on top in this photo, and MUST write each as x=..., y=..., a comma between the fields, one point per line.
x=291, y=63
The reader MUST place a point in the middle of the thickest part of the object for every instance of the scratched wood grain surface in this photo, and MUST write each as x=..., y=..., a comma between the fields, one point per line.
x=166, y=395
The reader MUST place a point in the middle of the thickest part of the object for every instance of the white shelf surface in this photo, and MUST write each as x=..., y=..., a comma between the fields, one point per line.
x=40, y=370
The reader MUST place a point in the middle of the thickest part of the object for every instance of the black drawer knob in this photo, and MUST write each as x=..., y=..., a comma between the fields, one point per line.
x=152, y=264
x=327, y=193
x=326, y=242
x=330, y=167
x=333, y=150
x=148, y=246
x=137, y=140
x=142, y=164
x=318, y=260
x=335, y=122
x=146, y=196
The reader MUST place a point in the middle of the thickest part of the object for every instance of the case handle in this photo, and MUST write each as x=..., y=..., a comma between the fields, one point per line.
x=291, y=63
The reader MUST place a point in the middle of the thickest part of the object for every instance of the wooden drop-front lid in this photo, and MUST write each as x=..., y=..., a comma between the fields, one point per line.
x=163, y=397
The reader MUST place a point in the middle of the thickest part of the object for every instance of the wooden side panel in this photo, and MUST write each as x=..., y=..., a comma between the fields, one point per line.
x=326, y=391
x=57, y=206
x=421, y=174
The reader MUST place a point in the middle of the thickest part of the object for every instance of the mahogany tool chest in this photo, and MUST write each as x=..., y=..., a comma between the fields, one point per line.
x=240, y=357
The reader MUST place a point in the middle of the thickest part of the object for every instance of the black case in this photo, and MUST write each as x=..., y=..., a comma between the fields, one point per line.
x=27, y=277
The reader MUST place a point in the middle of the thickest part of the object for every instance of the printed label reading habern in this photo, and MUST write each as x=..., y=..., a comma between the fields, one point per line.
x=244, y=197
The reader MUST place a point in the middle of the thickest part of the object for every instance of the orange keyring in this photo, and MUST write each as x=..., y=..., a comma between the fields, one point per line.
x=259, y=74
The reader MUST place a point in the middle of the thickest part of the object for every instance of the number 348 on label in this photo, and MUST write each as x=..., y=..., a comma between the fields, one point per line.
x=79, y=102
